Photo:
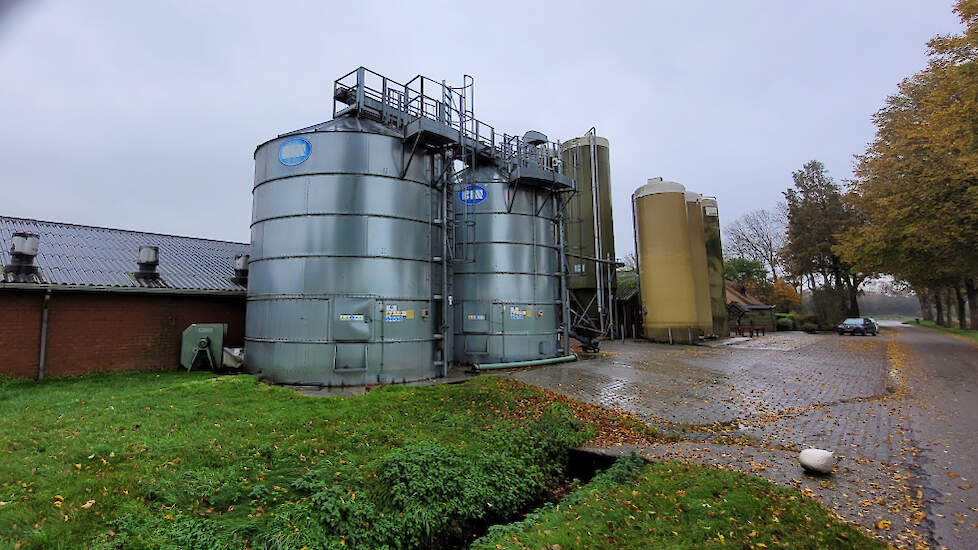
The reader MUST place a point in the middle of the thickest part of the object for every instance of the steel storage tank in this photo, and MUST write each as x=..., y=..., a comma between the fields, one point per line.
x=697, y=249
x=588, y=223
x=506, y=278
x=714, y=258
x=665, y=261
x=341, y=267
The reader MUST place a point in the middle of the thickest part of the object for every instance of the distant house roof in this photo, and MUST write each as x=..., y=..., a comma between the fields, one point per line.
x=736, y=295
x=98, y=258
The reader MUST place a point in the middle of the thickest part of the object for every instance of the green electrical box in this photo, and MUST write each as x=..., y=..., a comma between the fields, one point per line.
x=202, y=346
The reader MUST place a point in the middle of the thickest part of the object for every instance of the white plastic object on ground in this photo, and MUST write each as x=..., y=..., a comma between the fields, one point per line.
x=817, y=460
x=233, y=358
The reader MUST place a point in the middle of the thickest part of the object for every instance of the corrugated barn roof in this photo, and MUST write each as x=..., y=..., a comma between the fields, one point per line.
x=85, y=256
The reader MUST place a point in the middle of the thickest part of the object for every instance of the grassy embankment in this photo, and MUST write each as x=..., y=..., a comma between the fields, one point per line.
x=176, y=460
x=676, y=505
x=969, y=334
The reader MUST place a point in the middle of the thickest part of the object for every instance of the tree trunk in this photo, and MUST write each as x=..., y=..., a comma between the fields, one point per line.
x=972, y=291
x=962, y=318
x=853, y=289
x=926, y=312
x=939, y=304
x=950, y=307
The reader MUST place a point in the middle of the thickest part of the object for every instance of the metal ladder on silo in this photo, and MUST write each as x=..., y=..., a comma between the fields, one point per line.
x=469, y=156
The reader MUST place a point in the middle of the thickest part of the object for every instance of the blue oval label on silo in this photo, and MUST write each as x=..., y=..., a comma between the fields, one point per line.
x=294, y=151
x=473, y=194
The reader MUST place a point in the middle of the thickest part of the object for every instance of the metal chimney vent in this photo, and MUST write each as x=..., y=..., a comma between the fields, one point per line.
x=25, y=245
x=22, y=253
x=149, y=258
x=241, y=267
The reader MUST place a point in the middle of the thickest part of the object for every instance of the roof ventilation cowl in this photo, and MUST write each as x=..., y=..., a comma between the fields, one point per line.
x=22, y=252
x=534, y=138
x=241, y=267
x=149, y=258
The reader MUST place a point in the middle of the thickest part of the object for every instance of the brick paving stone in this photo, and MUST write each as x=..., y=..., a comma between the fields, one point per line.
x=789, y=391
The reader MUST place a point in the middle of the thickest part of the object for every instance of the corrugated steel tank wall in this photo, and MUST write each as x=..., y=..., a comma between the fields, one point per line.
x=579, y=217
x=665, y=260
x=341, y=272
x=697, y=248
x=507, y=283
x=714, y=258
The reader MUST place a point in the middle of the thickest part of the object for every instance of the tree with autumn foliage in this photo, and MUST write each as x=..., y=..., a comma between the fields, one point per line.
x=817, y=214
x=916, y=185
x=784, y=297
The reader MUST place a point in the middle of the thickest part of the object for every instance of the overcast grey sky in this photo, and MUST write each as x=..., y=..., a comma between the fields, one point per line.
x=145, y=115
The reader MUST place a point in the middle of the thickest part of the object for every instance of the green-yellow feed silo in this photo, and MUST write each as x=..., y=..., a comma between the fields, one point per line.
x=589, y=228
x=697, y=249
x=665, y=261
x=714, y=259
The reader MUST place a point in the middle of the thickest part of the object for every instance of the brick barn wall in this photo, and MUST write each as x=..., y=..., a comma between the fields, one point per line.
x=20, y=333
x=98, y=332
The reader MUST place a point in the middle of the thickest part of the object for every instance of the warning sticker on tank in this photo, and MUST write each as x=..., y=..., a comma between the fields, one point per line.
x=517, y=313
x=351, y=317
x=475, y=317
x=395, y=315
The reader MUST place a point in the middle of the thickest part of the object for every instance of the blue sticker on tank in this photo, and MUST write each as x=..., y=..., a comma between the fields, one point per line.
x=294, y=151
x=473, y=194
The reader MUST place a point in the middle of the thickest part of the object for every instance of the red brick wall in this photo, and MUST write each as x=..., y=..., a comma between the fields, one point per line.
x=20, y=333
x=94, y=331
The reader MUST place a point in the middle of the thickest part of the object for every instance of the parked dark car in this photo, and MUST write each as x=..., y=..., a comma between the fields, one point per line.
x=858, y=325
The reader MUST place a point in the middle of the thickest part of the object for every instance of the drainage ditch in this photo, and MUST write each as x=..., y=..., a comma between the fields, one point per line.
x=582, y=466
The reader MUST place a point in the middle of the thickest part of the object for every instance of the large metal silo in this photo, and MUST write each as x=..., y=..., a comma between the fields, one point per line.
x=590, y=232
x=507, y=276
x=343, y=258
x=697, y=249
x=714, y=258
x=665, y=261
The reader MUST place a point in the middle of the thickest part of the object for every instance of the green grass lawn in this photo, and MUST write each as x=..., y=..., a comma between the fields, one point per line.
x=675, y=505
x=177, y=460
x=970, y=334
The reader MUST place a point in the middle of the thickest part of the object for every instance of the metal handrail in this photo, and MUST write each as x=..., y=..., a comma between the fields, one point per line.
x=411, y=99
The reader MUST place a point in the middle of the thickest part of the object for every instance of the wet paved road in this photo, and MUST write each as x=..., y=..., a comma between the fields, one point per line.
x=902, y=406
x=943, y=375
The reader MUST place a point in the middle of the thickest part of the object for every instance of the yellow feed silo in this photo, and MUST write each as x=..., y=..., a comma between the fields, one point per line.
x=665, y=263
x=697, y=248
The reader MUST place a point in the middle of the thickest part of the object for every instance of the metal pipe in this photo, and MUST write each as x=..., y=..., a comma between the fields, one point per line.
x=598, y=271
x=638, y=269
x=530, y=363
x=446, y=313
x=360, y=84
x=565, y=297
x=44, y=336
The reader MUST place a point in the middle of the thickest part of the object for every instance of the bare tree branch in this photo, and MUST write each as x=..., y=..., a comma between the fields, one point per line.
x=758, y=235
